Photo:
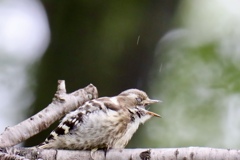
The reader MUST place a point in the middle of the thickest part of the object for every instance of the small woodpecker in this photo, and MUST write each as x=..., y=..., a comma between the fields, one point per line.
x=103, y=123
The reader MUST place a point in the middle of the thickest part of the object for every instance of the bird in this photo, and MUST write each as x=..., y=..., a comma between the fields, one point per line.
x=102, y=123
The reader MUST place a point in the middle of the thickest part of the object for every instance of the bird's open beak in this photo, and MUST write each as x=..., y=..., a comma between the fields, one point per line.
x=151, y=101
x=153, y=114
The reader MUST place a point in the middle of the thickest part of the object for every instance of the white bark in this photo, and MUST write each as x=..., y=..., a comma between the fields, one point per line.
x=190, y=153
x=62, y=103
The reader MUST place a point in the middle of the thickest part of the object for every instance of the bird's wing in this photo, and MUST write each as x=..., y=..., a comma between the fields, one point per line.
x=76, y=120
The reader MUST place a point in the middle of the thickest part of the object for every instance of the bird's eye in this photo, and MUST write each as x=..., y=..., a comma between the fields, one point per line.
x=139, y=100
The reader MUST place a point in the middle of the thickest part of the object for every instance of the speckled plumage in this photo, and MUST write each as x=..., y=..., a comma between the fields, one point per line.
x=103, y=123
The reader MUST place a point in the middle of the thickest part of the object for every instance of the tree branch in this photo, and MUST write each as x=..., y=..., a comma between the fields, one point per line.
x=190, y=153
x=62, y=103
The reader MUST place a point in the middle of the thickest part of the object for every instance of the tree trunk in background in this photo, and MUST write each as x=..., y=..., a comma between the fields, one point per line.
x=97, y=43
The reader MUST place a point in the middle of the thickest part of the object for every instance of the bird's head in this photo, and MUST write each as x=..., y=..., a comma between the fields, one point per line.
x=140, y=99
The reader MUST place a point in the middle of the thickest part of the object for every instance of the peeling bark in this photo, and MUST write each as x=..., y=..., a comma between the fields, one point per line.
x=190, y=153
x=62, y=103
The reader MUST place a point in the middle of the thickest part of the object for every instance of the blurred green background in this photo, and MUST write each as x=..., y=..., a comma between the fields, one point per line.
x=184, y=52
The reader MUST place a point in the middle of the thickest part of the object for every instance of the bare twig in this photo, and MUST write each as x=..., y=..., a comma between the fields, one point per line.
x=190, y=153
x=62, y=103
